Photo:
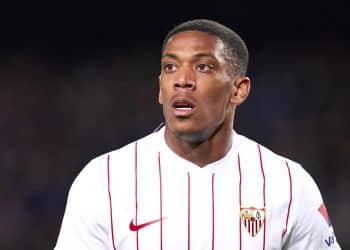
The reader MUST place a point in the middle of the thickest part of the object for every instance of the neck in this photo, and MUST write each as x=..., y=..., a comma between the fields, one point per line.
x=203, y=152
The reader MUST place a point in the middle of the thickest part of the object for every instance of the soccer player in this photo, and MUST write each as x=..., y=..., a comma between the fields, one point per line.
x=196, y=183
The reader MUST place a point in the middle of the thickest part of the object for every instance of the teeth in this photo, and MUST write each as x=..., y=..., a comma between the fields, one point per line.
x=184, y=108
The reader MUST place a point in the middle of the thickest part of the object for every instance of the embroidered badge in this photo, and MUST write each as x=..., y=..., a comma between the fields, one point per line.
x=253, y=219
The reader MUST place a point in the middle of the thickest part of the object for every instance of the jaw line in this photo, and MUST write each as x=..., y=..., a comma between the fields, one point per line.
x=197, y=137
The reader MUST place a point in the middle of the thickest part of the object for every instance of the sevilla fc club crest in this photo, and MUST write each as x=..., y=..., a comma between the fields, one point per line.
x=253, y=219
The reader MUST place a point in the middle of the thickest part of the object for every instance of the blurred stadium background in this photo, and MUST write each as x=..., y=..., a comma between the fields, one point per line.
x=79, y=80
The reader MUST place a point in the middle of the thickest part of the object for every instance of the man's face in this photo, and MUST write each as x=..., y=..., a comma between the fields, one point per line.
x=195, y=85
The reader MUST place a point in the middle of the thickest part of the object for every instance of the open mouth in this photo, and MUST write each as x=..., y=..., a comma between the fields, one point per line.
x=183, y=107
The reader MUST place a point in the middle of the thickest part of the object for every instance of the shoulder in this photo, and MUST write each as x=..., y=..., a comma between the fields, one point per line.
x=122, y=159
x=278, y=168
x=270, y=160
x=247, y=146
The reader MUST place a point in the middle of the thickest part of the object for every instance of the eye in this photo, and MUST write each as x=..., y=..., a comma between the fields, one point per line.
x=203, y=67
x=169, y=67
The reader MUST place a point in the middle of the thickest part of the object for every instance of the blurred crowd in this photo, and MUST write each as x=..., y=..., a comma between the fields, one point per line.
x=56, y=116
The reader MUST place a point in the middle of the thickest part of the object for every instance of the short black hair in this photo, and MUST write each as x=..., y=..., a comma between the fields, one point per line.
x=238, y=52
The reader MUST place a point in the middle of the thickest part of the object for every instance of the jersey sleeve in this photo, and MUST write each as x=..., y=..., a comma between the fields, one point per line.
x=84, y=221
x=311, y=227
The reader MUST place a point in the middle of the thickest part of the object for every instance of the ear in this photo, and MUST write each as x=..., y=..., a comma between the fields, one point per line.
x=160, y=95
x=240, y=90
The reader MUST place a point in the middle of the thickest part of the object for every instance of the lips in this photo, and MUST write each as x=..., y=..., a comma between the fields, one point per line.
x=183, y=107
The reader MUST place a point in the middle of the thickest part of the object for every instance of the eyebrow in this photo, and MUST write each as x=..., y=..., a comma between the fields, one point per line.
x=198, y=55
x=170, y=55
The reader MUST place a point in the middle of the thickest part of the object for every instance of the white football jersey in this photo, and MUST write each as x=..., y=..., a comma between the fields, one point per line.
x=143, y=196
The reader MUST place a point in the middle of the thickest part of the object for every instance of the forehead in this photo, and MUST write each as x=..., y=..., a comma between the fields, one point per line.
x=194, y=41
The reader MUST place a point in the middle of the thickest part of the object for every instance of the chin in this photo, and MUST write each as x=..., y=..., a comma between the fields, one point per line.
x=188, y=133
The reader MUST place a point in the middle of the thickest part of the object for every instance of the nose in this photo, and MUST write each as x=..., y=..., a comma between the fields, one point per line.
x=185, y=80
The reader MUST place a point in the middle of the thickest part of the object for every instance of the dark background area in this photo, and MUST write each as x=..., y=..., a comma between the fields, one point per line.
x=79, y=79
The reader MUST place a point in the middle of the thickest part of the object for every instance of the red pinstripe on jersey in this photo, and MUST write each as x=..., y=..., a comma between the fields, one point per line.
x=240, y=199
x=290, y=198
x=213, y=211
x=110, y=203
x=188, y=211
x=264, y=189
x=136, y=197
x=249, y=225
x=160, y=201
